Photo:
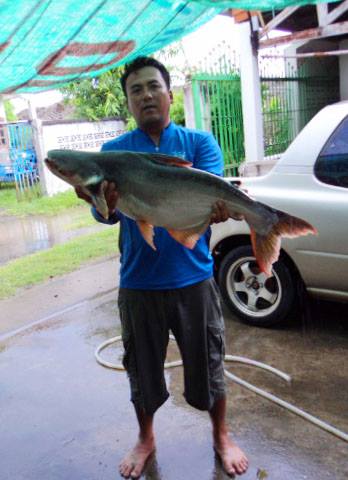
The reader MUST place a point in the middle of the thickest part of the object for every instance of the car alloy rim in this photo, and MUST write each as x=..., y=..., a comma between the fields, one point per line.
x=250, y=290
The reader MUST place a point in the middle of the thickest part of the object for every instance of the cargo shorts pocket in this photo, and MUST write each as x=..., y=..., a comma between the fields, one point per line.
x=216, y=355
x=126, y=332
x=216, y=344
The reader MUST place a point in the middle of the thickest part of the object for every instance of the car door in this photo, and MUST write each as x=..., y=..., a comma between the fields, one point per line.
x=326, y=263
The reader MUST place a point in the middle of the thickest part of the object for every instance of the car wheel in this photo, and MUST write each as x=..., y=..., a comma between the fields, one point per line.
x=255, y=298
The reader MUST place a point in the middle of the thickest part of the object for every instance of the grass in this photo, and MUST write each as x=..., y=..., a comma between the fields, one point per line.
x=58, y=260
x=9, y=205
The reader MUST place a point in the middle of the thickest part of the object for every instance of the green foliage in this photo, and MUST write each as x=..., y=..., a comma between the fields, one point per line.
x=96, y=99
x=131, y=124
x=58, y=260
x=9, y=111
x=177, y=112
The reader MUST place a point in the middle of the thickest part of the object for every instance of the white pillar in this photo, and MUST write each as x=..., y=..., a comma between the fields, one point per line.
x=343, y=67
x=38, y=143
x=251, y=97
x=188, y=105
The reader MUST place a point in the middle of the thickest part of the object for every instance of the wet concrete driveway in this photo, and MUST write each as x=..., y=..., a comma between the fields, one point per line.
x=65, y=417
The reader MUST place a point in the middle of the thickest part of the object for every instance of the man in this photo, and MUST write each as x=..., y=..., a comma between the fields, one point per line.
x=172, y=287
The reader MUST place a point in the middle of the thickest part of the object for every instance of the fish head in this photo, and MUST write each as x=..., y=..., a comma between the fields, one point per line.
x=75, y=168
x=80, y=169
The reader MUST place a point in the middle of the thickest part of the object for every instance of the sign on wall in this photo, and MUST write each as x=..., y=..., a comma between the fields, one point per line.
x=88, y=136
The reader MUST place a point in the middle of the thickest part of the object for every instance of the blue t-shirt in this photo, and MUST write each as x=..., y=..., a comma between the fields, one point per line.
x=172, y=265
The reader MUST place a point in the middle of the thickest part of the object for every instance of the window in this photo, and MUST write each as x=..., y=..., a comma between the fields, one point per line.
x=332, y=164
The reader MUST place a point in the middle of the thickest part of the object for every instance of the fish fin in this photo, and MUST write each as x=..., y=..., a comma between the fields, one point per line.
x=99, y=201
x=146, y=229
x=189, y=237
x=169, y=160
x=267, y=247
x=186, y=238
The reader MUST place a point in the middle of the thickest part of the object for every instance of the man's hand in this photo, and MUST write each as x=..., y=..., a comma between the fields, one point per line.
x=110, y=193
x=219, y=212
x=83, y=195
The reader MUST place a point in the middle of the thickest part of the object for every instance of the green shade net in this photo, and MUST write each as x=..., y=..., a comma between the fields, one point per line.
x=45, y=44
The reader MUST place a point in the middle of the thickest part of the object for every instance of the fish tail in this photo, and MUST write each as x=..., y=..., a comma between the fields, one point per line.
x=267, y=247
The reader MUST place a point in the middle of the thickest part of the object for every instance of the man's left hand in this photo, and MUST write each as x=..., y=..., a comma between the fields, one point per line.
x=219, y=212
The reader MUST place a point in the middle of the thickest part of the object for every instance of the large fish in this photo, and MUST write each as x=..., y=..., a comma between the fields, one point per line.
x=157, y=190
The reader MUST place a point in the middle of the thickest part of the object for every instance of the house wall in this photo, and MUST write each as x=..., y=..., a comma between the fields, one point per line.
x=87, y=136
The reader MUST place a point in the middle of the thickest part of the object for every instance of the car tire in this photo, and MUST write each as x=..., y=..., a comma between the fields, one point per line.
x=256, y=299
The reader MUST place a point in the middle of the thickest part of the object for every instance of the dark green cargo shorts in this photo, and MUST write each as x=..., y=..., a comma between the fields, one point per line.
x=193, y=314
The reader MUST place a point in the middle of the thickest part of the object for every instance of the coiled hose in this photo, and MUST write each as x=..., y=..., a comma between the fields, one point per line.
x=232, y=358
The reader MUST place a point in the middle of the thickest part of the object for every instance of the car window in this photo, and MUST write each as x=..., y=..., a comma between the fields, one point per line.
x=332, y=164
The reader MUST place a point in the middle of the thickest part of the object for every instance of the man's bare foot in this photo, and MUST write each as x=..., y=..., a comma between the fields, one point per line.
x=133, y=464
x=232, y=458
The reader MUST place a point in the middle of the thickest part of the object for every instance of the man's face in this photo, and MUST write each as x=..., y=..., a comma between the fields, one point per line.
x=149, y=99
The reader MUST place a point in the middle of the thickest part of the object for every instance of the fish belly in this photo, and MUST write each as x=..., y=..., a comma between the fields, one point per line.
x=169, y=211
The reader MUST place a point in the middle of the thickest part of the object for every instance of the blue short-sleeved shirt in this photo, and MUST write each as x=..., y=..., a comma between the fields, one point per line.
x=171, y=265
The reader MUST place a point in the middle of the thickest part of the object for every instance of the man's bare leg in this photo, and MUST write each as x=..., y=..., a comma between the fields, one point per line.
x=134, y=462
x=232, y=457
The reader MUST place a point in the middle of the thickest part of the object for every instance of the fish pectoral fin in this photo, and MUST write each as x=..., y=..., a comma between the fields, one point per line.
x=99, y=201
x=146, y=229
x=189, y=237
x=169, y=160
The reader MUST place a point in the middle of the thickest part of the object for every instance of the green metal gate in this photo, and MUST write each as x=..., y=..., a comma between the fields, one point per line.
x=292, y=93
x=218, y=108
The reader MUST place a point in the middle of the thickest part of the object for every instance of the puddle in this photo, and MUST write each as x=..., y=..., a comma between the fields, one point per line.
x=22, y=236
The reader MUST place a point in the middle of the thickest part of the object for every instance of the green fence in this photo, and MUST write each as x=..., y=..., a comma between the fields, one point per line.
x=292, y=93
x=218, y=107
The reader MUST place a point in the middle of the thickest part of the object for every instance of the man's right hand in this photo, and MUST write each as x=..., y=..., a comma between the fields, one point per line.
x=83, y=195
x=110, y=193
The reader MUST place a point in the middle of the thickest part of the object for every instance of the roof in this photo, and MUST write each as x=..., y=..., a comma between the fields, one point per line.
x=57, y=111
x=44, y=45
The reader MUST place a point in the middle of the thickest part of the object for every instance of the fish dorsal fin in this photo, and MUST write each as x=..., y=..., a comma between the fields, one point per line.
x=169, y=160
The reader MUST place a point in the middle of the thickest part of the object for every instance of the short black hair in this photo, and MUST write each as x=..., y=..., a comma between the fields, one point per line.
x=141, y=62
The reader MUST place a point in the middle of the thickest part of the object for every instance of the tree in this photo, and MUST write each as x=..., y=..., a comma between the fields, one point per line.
x=9, y=111
x=102, y=97
x=96, y=99
x=177, y=112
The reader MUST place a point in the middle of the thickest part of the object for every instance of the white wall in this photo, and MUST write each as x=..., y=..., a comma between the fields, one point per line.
x=88, y=136
x=251, y=98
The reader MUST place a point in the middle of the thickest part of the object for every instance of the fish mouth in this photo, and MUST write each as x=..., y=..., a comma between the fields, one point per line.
x=52, y=166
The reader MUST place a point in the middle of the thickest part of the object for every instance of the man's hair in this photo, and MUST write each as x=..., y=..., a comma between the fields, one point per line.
x=141, y=62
